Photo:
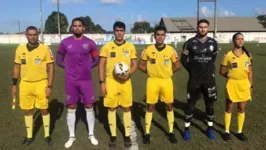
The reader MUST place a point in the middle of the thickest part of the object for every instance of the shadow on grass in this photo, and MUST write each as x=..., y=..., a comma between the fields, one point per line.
x=55, y=109
x=101, y=113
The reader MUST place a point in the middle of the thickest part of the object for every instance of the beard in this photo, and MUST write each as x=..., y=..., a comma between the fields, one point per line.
x=78, y=35
x=200, y=35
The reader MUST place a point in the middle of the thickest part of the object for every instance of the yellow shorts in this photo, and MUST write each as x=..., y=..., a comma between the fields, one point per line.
x=238, y=90
x=162, y=87
x=118, y=93
x=33, y=94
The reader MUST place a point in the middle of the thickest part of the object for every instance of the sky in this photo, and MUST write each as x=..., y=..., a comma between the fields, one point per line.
x=106, y=12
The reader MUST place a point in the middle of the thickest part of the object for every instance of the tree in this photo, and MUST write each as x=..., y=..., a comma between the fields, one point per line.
x=262, y=19
x=99, y=29
x=51, y=24
x=142, y=27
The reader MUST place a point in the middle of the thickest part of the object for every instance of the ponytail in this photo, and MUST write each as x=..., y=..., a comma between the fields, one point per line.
x=246, y=51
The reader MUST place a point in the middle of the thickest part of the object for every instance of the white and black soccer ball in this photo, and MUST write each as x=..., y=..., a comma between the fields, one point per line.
x=121, y=69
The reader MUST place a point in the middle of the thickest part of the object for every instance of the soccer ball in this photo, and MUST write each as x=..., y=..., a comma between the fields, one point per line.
x=121, y=69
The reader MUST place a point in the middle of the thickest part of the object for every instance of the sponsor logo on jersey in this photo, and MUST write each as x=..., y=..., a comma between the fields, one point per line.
x=37, y=61
x=85, y=46
x=211, y=48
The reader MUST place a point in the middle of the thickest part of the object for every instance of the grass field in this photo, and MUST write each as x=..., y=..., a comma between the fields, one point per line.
x=12, y=128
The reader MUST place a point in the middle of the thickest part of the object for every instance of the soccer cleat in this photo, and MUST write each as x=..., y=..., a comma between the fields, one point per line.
x=112, y=142
x=242, y=137
x=70, y=141
x=27, y=141
x=210, y=133
x=128, y=142
x=226, y=136
x=186, y=135
x=93, y=140
x=48, y=141
x=147, y=139
x=171, y=138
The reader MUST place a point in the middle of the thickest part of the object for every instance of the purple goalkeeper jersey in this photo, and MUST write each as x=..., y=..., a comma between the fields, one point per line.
x=78, y=57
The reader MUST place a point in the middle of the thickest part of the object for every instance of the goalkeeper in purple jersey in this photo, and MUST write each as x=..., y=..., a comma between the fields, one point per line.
x=78, y=54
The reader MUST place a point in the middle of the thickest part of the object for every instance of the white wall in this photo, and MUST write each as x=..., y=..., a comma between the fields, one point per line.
x=137, y=38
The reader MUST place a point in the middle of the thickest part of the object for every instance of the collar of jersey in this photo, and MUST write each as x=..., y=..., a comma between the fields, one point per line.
x=119, y=44
x=31, y=48
x=160, y=49
x=240, y=55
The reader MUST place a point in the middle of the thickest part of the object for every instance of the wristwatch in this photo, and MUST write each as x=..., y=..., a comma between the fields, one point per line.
x=50, y=86
x=101, y=82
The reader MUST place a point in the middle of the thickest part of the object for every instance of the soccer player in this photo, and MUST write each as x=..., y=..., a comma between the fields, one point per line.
x=34, y=61
x=117, y=90
x=159, y=62
x=236, y=67
x=78, y=54
x=198, y=58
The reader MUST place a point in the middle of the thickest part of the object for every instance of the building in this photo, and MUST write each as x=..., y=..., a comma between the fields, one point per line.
x=185, y=28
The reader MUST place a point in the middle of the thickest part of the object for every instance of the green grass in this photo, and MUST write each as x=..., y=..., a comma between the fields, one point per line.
x=13, y=129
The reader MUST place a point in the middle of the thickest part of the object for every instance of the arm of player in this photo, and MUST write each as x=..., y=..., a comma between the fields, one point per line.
x=16, y=72
x=50, y=69
x=175, y=61
x=143, y=61
x=94, y=55
x=250, y=74
x=176, y=66
x=223, y=67
x=102, y=63
x=143, y=66
x=134, y=66
x=60, y=55
x=215, y=51
x=185, y=56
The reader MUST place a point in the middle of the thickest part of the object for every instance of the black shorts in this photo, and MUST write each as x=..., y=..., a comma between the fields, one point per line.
x=208, y=90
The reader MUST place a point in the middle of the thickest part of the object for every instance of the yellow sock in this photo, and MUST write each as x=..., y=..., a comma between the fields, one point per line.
x=240, y=120
x=46, y=125
x=112, y=122
x=127, y=122
x=148, y=118
x=170, y=118
x=29, y=125
x=227, y=121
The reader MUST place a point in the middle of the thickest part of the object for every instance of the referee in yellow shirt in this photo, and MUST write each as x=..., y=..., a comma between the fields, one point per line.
x=117, y=91
x=236, y=67
x=159, y=62
x=34, y=61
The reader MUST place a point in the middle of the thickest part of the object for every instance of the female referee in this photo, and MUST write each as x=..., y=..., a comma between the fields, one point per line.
x=236, y=67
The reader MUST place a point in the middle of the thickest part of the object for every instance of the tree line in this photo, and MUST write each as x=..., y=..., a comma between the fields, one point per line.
x=51, y=25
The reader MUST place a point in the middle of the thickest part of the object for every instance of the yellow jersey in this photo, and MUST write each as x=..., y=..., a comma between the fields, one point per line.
x=159, y=63
x=238, y=67
x=117, y=53
x=33, y=63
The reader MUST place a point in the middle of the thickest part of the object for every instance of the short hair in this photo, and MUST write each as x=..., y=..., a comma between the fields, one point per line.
x=160, y=28
x=31, y=28
x=119, y=24
x=78, y=19
x=203, y=21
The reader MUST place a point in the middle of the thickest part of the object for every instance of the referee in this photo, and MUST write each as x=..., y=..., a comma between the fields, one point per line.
x=198, y=58
x=34, y=61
